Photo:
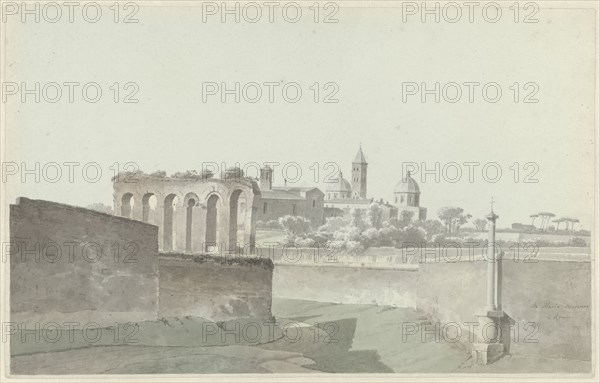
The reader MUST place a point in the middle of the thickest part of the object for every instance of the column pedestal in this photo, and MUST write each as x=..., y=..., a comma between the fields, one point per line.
x=487, y=353
x=493, y=337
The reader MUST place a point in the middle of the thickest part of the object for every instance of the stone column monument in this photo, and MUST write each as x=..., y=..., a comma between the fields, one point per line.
x=493, y=332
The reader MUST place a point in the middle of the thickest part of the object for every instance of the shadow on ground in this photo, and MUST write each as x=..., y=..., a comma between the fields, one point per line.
x=310, y=337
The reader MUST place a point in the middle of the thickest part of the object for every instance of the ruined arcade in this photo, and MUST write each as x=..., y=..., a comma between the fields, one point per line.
x=194, y=214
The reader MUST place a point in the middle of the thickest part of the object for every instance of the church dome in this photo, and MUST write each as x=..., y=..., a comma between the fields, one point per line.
x=407, y=185
x=340, y=184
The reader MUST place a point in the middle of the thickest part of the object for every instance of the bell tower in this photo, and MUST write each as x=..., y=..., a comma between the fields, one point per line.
x=359, y=175
x=266, y=178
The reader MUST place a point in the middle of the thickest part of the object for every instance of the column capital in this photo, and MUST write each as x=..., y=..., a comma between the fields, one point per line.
x=492, y=216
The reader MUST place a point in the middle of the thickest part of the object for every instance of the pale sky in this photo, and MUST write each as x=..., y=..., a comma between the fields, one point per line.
x=369, y=54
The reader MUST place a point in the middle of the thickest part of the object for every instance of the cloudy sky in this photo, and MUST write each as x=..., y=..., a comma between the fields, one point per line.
x=369, y=56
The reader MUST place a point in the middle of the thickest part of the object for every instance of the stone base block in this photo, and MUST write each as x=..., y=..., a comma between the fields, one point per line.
x=487, y=353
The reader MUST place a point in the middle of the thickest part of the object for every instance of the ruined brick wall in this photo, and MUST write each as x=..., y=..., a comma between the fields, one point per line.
x=215, y=288
x=70, y=264
x=229, y=219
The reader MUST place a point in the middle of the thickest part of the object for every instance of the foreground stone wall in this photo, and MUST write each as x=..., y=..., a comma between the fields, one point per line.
x=549, y=300
x=346, y=284
x=70, y=264
x=215, y=288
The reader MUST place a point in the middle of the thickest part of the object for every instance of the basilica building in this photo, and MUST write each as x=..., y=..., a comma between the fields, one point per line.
x=342, y=196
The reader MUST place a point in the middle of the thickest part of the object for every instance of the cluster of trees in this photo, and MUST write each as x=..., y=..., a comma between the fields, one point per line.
x=453, y=218
x=188, y=174
x=566, y=221
x=545, y=218
x=367, y=229
x=363, y=229
x=102, y=208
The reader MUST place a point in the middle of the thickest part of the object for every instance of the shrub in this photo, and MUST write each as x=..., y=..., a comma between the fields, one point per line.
x=159, y=174
x=577, y=242
x=305, y=242
x=295, y=226
x=103, y=208
x=332, y=224
x=188, y=174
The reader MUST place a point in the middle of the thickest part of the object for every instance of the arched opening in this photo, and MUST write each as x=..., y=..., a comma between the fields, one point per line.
x=127, y=202
x=210, y=238
x=234, y=202
x=188, y=224
x=149, y=202
x=241, y=229
x=169, y=222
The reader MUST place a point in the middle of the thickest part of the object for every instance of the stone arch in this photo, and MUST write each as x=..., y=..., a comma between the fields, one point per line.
x=149, y=202
x=170, y=212
x=212, y=218
x=190, y=201
x=127, y=202
x=234, y=213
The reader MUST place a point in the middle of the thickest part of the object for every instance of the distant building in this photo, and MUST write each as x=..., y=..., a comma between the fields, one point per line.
x=343, y=208
x=389, y=211
x=279, y=201
x=341, y=195
x=522, y=227
x=407, y=197
x=341, y=188
x=340, y=198
x=359, y=175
